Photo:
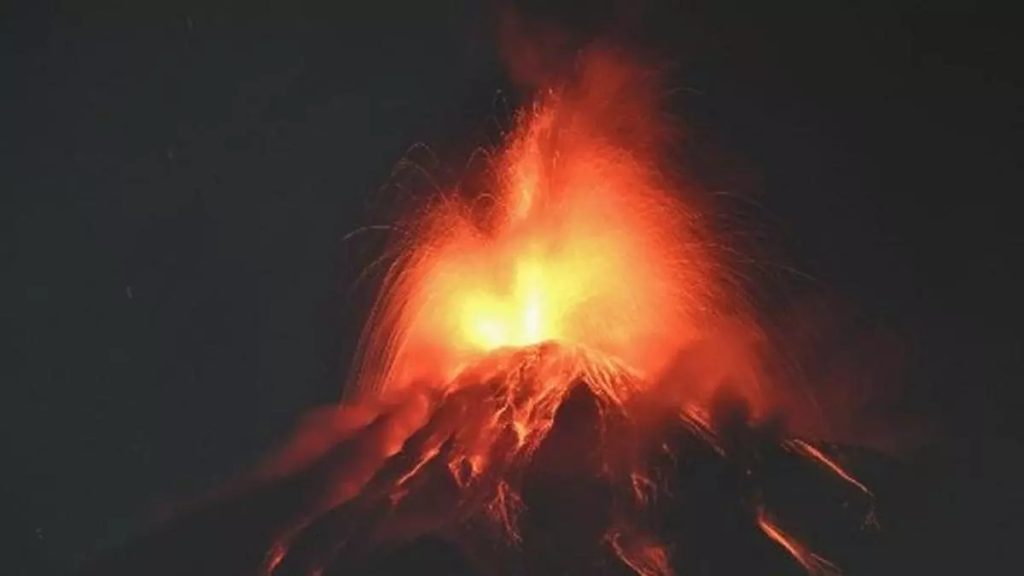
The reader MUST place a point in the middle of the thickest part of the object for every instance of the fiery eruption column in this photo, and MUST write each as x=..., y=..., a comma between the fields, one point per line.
x=583, y=240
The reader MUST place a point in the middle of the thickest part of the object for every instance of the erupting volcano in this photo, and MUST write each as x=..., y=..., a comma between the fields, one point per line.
x=560, y=375
x=534, y=392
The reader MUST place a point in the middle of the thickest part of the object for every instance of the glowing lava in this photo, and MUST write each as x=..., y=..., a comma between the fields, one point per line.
x=582, y=240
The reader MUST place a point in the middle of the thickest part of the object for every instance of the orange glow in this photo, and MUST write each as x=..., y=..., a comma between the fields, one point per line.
x=818, y=456
x=581, y=241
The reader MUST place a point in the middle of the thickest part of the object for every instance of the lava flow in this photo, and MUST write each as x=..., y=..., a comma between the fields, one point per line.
x=510, y=397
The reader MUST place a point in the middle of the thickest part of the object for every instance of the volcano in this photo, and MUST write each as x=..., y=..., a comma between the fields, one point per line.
x=551, y=460
x=556, y=377
x=542, y=460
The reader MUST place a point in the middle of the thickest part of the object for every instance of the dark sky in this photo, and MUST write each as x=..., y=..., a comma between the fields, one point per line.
x=178, y=179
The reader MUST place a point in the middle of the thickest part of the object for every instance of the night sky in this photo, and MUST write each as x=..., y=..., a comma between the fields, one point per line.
x=179, y=178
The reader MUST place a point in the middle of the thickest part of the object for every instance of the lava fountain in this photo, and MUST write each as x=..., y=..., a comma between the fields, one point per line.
x=516, y=391
x=583, y=240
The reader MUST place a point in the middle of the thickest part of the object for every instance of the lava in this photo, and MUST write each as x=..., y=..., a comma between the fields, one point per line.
x=551, y=459
x=813, y=563
x=583, y=239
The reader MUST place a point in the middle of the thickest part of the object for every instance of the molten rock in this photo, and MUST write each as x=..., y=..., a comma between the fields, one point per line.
x=538, y=460
x=554, y=460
